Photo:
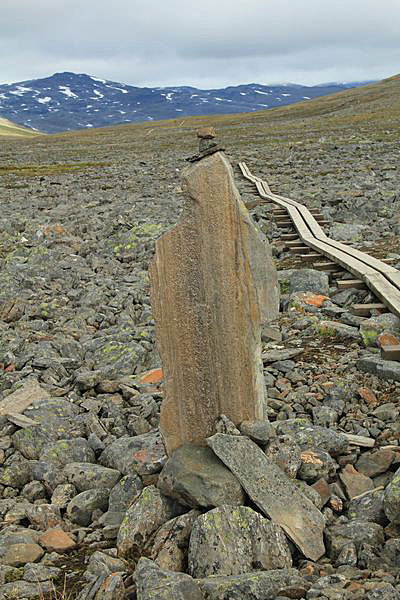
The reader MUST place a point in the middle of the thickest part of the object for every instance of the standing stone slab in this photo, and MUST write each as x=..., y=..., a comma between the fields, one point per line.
x=273, y=492
x=213, y=285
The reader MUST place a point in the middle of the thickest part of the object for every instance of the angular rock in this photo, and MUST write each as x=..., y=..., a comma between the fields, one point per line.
x=88, y=476
x=355, y=483
x=260, y=432
x=368, y=508
x=23, y=397
x=391, y=499
x=143, y=518
x=20, y=554
x=80, y=509
x=57, y=540
x=257, y=585
x=313, y=436
x=63, y=452
x=385, y=369
x=315, y=463
x=195, y=477
x=171, y=542
x=212, y=258
x=309, y=280
x=153, y=583
x=143, y=454
x=355, y=531
x=273, y=492
x=232, y=541
x=375, y=463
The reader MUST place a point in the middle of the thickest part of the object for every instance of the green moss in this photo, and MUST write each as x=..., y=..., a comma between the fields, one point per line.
x=30, y=170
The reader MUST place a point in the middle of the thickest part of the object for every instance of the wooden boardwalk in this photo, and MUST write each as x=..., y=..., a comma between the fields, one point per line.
x=382, y=279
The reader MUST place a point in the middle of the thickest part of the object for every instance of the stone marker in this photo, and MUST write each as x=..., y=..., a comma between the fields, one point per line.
x=273, y=492
x=213, y=285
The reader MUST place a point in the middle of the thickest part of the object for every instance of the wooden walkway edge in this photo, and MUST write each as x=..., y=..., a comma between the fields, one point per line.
x=381, y=278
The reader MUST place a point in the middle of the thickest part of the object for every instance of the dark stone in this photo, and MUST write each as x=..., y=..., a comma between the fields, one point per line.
x=195, y=477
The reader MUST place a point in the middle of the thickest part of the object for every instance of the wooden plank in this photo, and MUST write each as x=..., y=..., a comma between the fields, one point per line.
x=390, y=352
x=325, y=266
x=365, y=309
x=345, y=284
x=289, y=236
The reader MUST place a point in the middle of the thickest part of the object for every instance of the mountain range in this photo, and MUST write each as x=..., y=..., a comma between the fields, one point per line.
x=70, y=101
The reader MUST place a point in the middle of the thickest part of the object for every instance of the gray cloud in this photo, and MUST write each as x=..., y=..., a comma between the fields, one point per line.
x=209, y=44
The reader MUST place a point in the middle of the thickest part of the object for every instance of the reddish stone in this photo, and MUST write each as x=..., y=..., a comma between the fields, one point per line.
x=315, y=299
x=323, y=489
x=368, y=395
x=355, y=483
x=56, y=540
x=153, y=376
x=387, y=339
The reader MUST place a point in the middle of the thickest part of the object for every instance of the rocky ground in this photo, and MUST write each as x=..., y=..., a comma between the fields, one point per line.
x=89, y=505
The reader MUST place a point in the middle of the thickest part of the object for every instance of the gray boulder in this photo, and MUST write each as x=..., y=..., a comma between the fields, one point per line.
x=143, y=518
x=309, y=280
x=355, y=531
x=314, y=436
x=196, y=477
x=143, y=454
x=261, y=585
x=80, y=509
x=87, y=476
x=391, y=499
x=153, y=583
x=234, y=540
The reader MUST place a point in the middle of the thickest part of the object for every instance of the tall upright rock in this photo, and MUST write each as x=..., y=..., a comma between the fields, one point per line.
x=213, y=285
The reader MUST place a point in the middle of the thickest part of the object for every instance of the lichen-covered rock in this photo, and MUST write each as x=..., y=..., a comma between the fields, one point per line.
x=195, y=477
x=368, y=508
x=316, y=463
x=308, y=280
x=16, y=475
x=373, y=327
x=80, y=509
x=153, y=583
x=63, y=452
x=286, y=453
x=391, y=499
x=260, y=432
x=260, y=585
x=87, y=476
x=233, y=540
x=143, y=454
x=143, y=518
x=171, y=542
x=358, y=532
x=314, y=436
x=272, y=491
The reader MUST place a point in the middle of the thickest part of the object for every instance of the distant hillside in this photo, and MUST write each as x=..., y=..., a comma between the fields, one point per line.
x=9, y=129
x=67, y=101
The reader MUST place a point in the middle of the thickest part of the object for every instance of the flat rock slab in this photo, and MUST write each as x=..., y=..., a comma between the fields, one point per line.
x=274, y=355
x=19, y=400
x=273, y=492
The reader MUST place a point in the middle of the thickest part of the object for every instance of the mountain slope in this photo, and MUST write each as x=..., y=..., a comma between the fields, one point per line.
x=9, y=129
x=67, y=101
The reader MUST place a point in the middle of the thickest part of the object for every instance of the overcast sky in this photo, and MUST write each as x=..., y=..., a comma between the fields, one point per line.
x=204, y=43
